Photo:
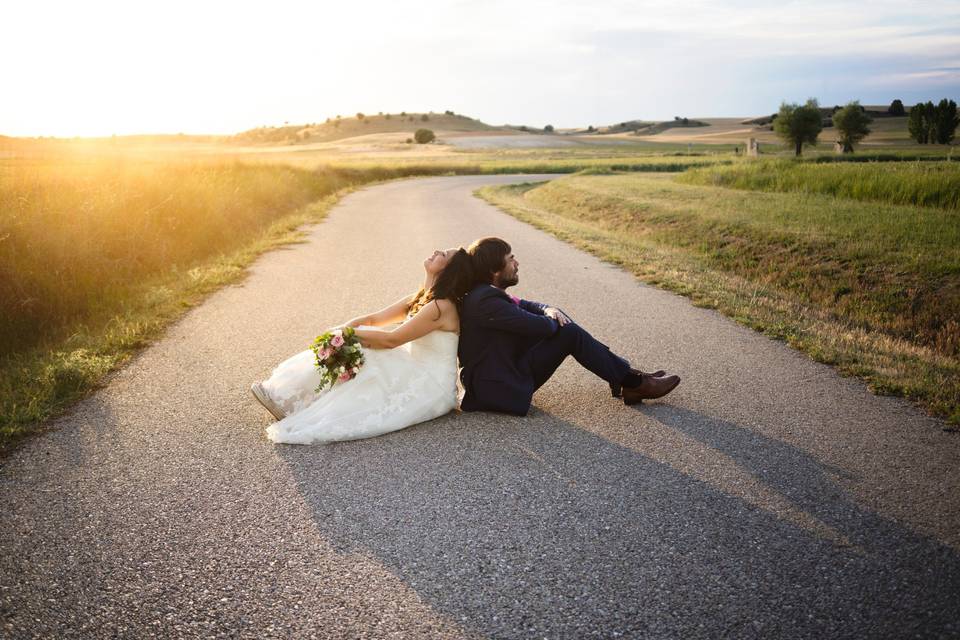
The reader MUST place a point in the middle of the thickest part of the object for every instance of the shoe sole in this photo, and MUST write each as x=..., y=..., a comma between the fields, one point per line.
x=258, y=392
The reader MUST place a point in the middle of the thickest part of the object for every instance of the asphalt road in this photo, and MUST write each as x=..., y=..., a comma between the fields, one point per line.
x=766, y=497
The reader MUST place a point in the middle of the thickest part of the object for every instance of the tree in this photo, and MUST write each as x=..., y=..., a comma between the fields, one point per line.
x=917, y=123
x=944, y=122
x=423, y=136
x=896, y=108
x=851, y=123
x=424, y=118
x=590, y=129
x=548, y=128
x=360, y=116
x=799, y=124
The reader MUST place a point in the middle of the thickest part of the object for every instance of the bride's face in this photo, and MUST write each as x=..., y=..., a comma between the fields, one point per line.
x=437, y=261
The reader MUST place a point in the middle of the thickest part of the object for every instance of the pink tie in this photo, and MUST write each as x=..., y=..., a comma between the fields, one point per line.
x=515, y=299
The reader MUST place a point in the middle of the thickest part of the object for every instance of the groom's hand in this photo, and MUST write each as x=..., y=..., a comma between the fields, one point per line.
x=556, y=314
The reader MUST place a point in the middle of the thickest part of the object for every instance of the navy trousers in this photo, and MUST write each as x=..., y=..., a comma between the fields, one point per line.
x=543, y=357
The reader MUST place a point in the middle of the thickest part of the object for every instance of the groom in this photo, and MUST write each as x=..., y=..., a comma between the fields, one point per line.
x=510, y=347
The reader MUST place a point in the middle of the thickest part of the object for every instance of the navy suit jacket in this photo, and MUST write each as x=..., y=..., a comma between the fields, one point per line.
x=495, y=333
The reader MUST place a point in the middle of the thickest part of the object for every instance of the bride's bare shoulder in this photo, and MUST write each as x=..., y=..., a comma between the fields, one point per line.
x=448, y=313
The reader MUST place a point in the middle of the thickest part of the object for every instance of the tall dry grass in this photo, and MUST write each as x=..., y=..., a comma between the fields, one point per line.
x=77, y=237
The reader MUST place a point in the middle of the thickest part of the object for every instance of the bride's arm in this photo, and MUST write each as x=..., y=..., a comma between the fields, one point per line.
x=396, y=312
x=427, y=319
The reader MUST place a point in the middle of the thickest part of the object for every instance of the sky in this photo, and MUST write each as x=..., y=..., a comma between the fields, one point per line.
x=101, y=67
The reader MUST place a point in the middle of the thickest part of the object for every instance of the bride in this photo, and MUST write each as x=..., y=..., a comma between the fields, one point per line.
x=409, y=374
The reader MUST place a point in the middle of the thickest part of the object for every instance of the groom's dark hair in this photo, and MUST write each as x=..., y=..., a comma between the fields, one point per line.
x=489, y=256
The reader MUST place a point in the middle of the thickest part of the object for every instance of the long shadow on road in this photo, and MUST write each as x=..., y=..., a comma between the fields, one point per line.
x=535, y=527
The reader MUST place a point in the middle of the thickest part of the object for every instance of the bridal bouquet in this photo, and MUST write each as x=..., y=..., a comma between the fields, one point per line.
x=338, y=356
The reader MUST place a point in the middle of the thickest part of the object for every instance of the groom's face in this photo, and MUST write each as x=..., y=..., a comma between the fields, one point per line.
x=509, y=275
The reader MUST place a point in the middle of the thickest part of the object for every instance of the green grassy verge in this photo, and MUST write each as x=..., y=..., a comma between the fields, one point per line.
x=928, y=184
x=873, y=289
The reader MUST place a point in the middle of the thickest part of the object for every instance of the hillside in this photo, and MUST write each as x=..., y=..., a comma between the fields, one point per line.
x=339, y=128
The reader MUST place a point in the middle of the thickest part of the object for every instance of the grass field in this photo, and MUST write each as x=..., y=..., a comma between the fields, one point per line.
x=873, y=288
x=927, y=184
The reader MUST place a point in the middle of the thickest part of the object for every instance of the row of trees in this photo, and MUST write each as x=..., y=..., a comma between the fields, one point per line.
x=934, y=124
x=800, y=124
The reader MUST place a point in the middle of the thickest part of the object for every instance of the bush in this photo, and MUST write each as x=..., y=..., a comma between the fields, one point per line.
x=548, y=128
x=423, y=136
x=424, y=118
x=409, y=140
x=896, y=108
x=360, y=116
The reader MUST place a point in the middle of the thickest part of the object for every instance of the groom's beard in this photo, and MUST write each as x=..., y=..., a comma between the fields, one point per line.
x=503, y=283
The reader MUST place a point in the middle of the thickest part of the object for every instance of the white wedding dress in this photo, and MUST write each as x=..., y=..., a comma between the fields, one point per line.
x=395, y=388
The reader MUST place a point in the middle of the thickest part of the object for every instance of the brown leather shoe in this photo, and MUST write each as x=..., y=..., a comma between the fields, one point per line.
x=616, y=390
x=650, y=387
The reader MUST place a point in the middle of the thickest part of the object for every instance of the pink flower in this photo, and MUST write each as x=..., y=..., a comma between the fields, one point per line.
x=337, y=340
x=344, y=376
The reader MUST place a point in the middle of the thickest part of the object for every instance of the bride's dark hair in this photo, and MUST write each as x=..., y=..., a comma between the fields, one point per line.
x=452, y=283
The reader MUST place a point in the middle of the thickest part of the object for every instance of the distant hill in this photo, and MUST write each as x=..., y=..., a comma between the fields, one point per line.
x=676, y=123
x=638, y=127
x=348, y=127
